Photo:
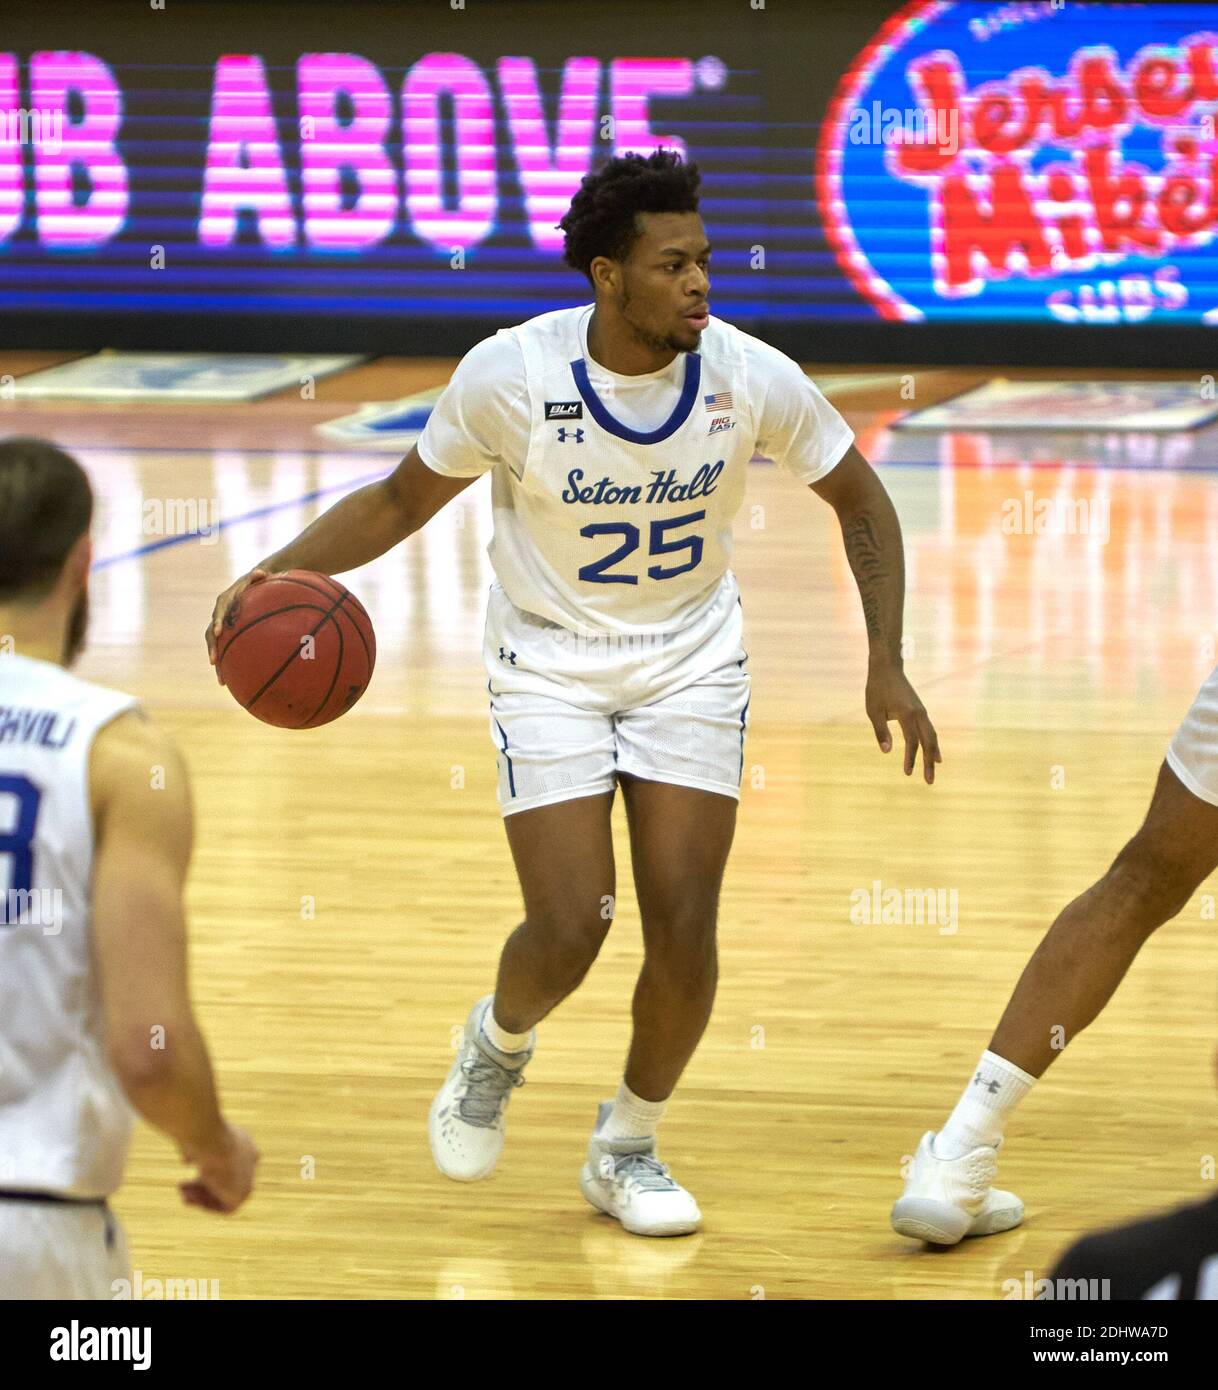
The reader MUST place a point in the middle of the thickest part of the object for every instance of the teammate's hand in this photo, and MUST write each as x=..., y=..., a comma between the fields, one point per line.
x=223, y=604
x=225, y=1178
x=890, y=696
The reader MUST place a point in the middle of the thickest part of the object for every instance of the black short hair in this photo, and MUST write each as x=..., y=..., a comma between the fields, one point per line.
x=46, y=505
x=600, y=220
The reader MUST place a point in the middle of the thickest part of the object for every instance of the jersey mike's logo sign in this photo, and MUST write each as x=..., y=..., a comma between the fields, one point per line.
x=1048, y=160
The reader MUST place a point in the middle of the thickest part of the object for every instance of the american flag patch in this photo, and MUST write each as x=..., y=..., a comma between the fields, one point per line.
x=721, y=400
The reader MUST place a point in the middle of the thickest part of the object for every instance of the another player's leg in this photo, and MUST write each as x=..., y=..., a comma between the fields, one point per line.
x=564, y=858
x=680, y=838
x=1070, y=977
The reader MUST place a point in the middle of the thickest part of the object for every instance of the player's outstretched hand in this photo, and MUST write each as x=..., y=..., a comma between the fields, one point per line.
x=220, y=611
x=890, y=696
x=226, y=1178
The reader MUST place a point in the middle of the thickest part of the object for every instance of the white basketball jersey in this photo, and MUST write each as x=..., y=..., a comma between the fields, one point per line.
x=604, y=526
x=65, y=1123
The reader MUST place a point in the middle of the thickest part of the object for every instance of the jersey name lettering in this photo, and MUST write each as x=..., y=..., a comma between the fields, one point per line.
x=664, y=487
x=36, y=726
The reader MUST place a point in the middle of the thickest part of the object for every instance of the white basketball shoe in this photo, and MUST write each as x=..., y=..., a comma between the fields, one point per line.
x=465, y=1125
x=946, y=1199
x=625, y=1179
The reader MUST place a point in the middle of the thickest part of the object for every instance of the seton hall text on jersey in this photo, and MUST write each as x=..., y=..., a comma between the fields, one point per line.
x=43, y=727
x=664, y=487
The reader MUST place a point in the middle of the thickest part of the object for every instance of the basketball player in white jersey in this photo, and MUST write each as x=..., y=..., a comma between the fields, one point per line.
x=95, y=1017
x=618, y=436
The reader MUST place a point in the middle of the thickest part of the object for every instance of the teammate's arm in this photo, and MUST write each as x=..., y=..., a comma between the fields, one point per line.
x=143, y=837
x=360, y=528
x=871, y=534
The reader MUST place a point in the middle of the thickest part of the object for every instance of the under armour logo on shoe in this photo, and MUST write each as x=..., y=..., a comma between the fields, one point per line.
x=607, y=1167
x=507, y=656
x=991, y=1086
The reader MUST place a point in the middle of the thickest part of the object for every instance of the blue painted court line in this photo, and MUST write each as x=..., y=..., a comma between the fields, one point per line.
x=349, y=486
x=352, y=484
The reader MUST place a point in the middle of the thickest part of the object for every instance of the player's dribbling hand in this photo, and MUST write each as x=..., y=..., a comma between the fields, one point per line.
x=220, y=611
x=890, y=696
x=225, y=1178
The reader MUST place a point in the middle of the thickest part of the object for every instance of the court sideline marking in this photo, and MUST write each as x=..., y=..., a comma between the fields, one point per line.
x=351, y=484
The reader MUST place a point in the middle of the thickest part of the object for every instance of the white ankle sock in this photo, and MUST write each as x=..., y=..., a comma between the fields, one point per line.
x=500, y=1037
x=632, y=1117
x=996, y=1088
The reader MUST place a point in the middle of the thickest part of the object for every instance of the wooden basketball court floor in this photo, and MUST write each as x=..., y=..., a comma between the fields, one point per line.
x=352, y=885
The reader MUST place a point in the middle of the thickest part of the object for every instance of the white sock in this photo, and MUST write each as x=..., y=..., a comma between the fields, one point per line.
x=500, y=1037
x=996, y=1088
x=632, y=1117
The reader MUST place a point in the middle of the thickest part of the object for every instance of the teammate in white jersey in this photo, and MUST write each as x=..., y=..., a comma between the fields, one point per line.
x=618, y=436
x=95, y=1017
x=1071, y=976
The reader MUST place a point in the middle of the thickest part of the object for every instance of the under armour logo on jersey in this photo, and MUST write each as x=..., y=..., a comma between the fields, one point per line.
x=563, y=432
x=991, y=1086
x=507, y=656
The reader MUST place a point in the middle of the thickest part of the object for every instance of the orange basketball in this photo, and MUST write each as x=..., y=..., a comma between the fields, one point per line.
x=297, y=649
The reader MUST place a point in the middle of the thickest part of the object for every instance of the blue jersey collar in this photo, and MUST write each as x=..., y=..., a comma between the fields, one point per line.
x=596, y=407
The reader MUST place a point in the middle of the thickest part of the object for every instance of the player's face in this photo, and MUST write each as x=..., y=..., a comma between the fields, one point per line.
x=666, y=281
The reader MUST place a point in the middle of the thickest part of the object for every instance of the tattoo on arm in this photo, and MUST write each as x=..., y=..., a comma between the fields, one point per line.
x=872, y=573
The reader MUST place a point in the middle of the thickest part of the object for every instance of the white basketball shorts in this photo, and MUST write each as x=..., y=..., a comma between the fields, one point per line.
x=569, y=712
x=1193, y=753
x=60, y=1250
